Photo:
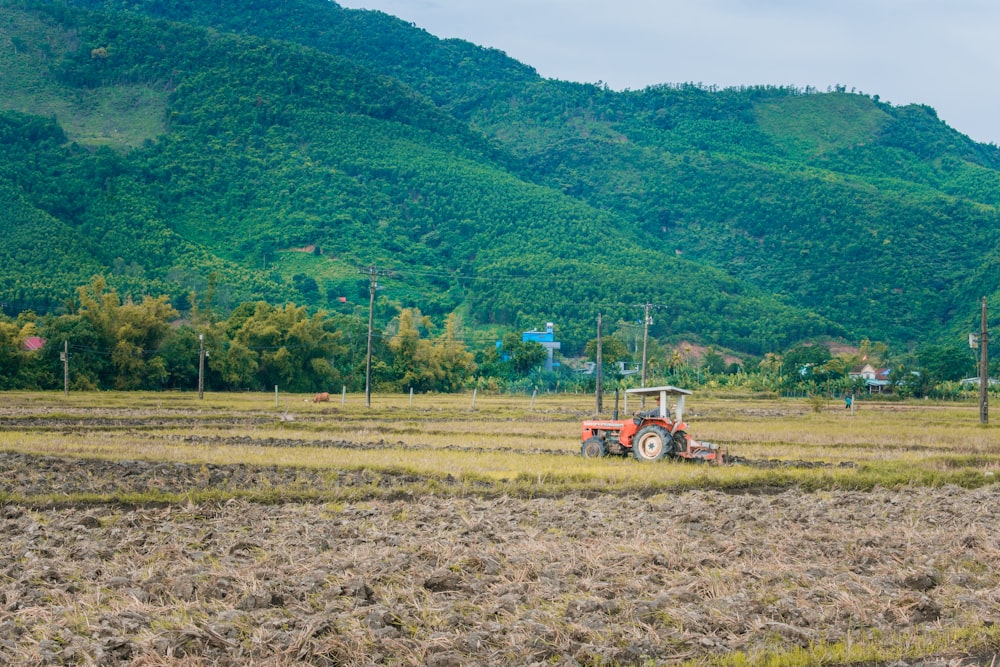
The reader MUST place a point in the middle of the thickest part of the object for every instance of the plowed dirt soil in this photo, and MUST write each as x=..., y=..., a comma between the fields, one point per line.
x=597, y=579
x=443, y=573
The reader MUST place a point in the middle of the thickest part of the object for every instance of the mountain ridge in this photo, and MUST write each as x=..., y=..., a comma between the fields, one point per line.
x=730, y=205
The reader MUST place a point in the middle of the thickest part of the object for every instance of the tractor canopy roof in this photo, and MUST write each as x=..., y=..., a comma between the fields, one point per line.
x=655, y=391
x=662, y=393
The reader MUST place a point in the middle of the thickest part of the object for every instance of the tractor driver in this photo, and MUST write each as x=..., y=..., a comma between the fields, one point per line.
x=655, y=412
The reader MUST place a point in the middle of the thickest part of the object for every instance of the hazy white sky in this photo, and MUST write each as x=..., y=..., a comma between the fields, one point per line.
x=944, y=53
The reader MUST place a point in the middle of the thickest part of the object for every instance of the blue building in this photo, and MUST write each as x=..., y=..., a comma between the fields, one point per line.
x=547, y=339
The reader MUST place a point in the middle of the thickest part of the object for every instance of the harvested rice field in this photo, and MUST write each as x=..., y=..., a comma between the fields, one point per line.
x=157, y=529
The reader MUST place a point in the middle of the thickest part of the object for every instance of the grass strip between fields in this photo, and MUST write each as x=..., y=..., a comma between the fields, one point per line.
x=875, y=648
x=397, y=473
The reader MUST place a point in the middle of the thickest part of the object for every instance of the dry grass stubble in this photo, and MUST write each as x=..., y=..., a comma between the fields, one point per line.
x=775, y=575
x=507, y=581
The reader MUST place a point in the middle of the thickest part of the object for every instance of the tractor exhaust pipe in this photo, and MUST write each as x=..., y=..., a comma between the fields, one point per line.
x=615, y=416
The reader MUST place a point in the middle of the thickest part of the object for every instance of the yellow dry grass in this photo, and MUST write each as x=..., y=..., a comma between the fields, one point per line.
x=510, y=437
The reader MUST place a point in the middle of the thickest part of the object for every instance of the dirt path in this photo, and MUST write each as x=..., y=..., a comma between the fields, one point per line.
x=472, y=581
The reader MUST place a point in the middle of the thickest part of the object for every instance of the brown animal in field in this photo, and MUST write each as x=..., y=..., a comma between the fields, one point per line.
x=322, y=397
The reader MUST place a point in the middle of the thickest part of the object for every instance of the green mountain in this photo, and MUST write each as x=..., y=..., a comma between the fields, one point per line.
x=266, y=150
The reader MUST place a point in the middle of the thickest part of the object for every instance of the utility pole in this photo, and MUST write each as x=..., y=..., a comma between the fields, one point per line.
x=645, y=339
x=646, y=321
x=984, y=370
x=65, y=360
x=600, y=374
x=373, y=274
x=201, y=365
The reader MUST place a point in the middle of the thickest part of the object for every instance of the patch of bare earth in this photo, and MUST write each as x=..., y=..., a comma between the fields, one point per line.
x=466, y=580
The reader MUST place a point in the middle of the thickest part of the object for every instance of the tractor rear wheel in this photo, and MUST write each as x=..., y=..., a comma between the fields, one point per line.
x=652, y=443
x=593, y=448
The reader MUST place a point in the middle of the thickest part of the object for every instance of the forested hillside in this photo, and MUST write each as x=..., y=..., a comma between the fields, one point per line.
x=265, y=150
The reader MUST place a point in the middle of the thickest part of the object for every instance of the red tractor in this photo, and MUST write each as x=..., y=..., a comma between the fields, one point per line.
x=649, y=435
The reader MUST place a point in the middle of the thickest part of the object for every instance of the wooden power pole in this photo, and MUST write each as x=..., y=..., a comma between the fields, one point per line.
x=201, y=365
x=65, y=360
x=984, y=370
x=599, y=407
x=646, y=321
x=373, y=273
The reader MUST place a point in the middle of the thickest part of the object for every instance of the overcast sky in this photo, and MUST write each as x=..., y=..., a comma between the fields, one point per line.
x=943, y=53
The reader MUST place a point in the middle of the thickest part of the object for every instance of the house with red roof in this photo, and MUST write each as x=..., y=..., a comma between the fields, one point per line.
x=33, y=343
x=876, y=379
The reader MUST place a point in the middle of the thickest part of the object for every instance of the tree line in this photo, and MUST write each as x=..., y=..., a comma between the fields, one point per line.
x=117, y=343
x=122, y=344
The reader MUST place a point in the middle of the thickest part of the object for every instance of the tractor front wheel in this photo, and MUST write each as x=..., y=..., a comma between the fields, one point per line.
x=593, y=448
x=651, y=443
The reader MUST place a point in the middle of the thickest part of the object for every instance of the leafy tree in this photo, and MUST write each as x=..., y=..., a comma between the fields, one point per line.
x=657, y=359
x=837, y=366
x=237, y=366
x=772, y=363
x=944, y=363
x=411, y=355
x=281, y=346
x=426, y=364
x=875, y=353
x=675, y=361
x=119, y=341
x=306, y=286
x=713, y=362
x=351, y=360
x=456, y=362
x=524, y=355
x=613, y=350
x=12, y=357
x=907, y=380
x=179, y=352
x=803, y=359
